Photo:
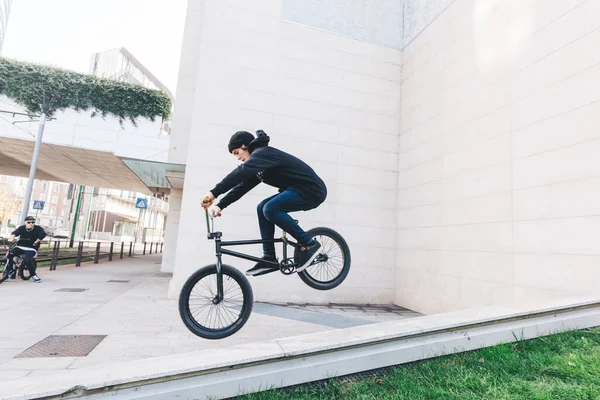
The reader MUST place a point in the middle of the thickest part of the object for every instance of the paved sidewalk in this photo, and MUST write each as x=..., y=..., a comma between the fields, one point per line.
x=136, y=316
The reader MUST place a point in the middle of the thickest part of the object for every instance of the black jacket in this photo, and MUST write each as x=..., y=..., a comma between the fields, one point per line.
x=273, y=167
x=27, y=237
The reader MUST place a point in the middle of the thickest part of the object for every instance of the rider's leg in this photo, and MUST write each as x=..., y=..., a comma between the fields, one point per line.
x=11, y=264
x=267, y=230
x=276, y=211
x=28, y=261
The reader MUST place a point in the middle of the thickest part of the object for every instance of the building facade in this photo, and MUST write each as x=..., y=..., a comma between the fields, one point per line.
x=4, y=14
x=113, y=216
x=57, y=204
x=458, y=140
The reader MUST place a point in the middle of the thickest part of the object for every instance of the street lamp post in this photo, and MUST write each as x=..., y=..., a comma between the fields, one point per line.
x=34, y=160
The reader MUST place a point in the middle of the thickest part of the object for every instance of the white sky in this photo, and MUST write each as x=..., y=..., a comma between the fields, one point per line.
x=65, y=33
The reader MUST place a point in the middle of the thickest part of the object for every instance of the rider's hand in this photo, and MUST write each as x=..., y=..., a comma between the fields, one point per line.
x=215, y=212
x=208, y=200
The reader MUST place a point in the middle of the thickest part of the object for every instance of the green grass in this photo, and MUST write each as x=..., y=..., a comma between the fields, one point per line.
x=562, y=367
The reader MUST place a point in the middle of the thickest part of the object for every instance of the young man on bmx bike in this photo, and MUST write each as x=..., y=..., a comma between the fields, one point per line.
x=300, y=189
x=216, y=300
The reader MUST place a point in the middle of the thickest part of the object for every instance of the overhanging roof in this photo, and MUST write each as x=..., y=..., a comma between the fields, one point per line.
x=85, y=167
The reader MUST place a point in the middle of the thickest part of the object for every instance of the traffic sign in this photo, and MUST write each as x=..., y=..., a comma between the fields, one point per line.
x=141, y=203
x=38, y=204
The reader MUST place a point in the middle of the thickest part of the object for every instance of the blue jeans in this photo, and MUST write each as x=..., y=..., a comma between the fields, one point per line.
x=27, y=258
x=273, y=211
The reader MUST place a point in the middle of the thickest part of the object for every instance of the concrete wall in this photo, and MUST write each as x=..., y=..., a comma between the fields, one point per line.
x=498, y=171
x=331, y=100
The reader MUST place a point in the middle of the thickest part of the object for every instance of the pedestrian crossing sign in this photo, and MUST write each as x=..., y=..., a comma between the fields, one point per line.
x=141, y=203
x=38, y=204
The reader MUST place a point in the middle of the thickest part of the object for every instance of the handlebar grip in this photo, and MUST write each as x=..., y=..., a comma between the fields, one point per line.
x=207, y=221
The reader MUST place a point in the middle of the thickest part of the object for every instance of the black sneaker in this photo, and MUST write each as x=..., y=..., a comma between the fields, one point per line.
x=36, y=279
x=262, y=268
x=308, y=255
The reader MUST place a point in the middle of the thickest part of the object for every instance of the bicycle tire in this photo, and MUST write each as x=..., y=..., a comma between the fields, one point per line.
x=3, y=275
x=335, y=282
x=24, y=272
x=184, y=303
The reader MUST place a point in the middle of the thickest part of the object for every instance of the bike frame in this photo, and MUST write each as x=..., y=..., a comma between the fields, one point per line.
x=220, y=251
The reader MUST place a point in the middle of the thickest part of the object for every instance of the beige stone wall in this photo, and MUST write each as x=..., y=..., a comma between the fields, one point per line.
x=498, y=172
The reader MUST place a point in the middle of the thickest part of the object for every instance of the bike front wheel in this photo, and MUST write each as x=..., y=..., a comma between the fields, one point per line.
x=4, y=270
x=24, y=272
x=332, y=265
x=201, y=311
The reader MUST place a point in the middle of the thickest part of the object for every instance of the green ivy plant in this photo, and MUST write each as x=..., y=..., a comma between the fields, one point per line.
x=40, y=88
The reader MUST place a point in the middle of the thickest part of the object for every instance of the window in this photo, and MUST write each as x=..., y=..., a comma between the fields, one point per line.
x=65, y=201
x=42, y=197
x=53, y=211
x=56, y=189
x=54, y=199
x=44, y=186
x=62, y=213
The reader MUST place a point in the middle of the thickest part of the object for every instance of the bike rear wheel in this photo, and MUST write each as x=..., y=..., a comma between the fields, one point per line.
x=197, y=306
x=332, y=265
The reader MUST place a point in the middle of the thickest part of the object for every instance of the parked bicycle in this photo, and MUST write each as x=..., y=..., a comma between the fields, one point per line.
x=17, y=267
x=217, y=300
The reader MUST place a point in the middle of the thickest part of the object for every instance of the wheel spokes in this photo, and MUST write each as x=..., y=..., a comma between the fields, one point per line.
x=210, y=313
x=332, y=266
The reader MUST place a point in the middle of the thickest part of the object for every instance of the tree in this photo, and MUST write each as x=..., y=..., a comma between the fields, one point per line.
x=44, y=90
x=9, y=205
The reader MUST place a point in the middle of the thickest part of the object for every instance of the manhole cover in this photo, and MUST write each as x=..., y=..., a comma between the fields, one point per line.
x=117, y=281
x=71, y=290
x=63, y=346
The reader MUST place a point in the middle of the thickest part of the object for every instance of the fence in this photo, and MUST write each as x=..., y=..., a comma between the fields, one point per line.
x=55, y=251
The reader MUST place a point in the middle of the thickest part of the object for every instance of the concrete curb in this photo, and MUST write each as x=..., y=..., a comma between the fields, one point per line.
x=223, y=373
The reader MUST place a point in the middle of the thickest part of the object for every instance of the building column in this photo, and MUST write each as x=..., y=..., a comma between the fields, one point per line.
x=171, y=230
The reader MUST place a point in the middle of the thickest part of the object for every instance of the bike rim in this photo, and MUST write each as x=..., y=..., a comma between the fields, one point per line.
x=216, y=317
x=329, y=269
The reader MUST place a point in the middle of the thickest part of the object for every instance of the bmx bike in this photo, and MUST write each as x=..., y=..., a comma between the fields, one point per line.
x=216, y=301
x=10, y=270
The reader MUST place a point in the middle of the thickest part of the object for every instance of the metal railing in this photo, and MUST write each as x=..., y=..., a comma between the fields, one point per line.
x=63, y=252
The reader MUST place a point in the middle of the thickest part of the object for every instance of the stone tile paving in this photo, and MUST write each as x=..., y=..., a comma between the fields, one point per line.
x=137, y=317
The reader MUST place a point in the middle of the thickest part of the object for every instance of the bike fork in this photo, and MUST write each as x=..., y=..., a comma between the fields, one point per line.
x=219, y=297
